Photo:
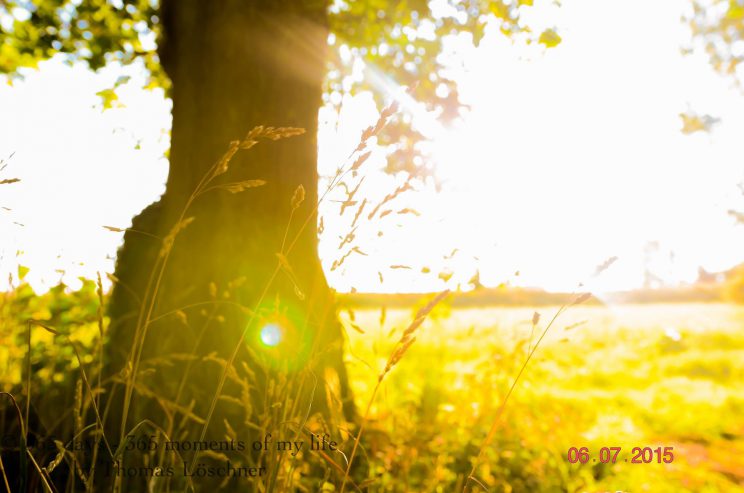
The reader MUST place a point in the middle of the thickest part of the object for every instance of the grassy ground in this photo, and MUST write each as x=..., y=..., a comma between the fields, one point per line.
x=628, y=375
x=654, y=375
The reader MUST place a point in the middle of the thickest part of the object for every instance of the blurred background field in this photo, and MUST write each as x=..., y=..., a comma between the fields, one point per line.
x=353, y=156
x=623, y=375
x=626, y=375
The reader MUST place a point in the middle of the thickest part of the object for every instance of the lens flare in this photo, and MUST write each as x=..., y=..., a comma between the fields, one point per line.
x=271, y=335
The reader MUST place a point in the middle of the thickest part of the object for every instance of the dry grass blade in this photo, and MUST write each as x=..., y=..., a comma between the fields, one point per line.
x=358, y=250
x=8, y=181
x=298, y=197
x=222, y=165
x=605, y=265
x=251, y=139
x=169, y=240
x=535, y=321
x=423, y=312
x=45, y=479
x=477, y=481
x=240, y=186
x=405, y=342
x=61, y=451
x=574, y=325
x=284, y=263
x=22, y=427
x=337, y=263
x=153, y=285
x=273, y=133
x=5, y=476
x=497, y=419
x=223, y=377
x=359, y=212
x=372, y=131
x=115, y=229
x=360, y=161
x=350, y=236
x=403, y=188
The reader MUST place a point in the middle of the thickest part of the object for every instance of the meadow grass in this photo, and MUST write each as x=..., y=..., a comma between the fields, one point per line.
x=630, y=375
x=626, y=375
x=486, y=398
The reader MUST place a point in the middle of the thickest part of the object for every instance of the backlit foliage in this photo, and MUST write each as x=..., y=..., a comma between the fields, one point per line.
x=719, y=27
x=399, y=40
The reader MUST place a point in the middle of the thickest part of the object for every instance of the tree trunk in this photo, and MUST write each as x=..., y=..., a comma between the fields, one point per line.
x=234, y=64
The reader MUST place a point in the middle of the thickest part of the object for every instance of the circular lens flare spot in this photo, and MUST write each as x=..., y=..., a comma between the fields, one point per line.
x=271, y=335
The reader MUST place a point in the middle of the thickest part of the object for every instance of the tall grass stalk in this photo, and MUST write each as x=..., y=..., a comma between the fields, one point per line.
x=23, y=450
x=500, y=411
x=156, y=277
x=340, y=174
x=399, y=350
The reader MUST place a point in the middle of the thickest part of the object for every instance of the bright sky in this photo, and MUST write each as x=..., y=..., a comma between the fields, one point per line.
x=565, y=159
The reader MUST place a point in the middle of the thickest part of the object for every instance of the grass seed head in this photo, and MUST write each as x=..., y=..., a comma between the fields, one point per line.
x=298, y=197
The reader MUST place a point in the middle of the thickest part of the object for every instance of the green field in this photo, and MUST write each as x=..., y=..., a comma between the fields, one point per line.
x=645, y=375
x=657, y=375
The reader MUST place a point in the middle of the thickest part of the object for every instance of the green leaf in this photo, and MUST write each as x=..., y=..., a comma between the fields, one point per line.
x=550, y=38
x=499, y=9
x=735, y=11
x=109, y=98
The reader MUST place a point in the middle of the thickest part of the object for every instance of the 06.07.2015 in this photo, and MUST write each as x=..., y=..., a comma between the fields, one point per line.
x=638, y=455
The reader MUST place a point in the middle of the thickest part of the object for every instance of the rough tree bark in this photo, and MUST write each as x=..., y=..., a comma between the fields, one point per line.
x=233, y=64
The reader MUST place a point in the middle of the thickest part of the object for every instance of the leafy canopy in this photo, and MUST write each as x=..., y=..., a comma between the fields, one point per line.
x=718, y=28
x=401, y=38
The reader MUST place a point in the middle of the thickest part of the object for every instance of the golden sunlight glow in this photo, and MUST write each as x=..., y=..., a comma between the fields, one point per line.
x=563, y=159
